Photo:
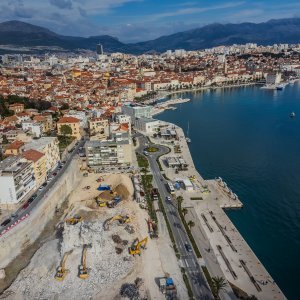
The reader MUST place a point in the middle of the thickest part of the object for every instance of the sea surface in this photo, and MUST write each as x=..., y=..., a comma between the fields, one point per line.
x=246, y=136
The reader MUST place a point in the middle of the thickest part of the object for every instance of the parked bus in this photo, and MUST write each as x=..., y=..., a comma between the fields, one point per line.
x=170, y=188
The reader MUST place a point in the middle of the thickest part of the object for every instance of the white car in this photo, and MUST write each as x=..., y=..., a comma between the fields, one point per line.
x=168, y=198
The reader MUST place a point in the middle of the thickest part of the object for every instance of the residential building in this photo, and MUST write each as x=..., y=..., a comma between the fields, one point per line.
x=16, y=179
x=15, y=148
x=99, y=126
x=16, y=107
x=39, y=165
x=35, y=128
x=73, y=123
x=101, y=153
x=48, y=146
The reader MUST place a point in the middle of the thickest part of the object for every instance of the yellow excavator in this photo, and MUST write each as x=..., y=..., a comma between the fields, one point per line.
x=61, y=272
x=74, y=220
x=101, y=202
x=83, y=271
x=137, y=246
x=122, y=220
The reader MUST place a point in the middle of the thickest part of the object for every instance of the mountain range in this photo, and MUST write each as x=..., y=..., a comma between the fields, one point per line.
x=16, y=34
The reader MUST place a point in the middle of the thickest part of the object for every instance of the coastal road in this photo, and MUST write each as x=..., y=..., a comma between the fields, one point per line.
x=189, y=260
x=42, y=195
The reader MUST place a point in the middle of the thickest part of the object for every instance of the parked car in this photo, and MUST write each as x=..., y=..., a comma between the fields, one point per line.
x=168, y=198
x=54, y=174
x=14, y=215
x=26, y=204
x=41, y=188
x=4, y=223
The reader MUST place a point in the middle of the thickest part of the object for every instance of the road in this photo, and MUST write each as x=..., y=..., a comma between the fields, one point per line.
x=41, y=194
x=189, y=260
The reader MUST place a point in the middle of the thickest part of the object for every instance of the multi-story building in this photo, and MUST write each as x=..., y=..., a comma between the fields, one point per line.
x=16, y=179
x=48, y=146
x=137, y=111
x=100, y=153
x=73, y=123
x=16, y=107
x=39, y=165
x=147, y=125
x=99, y=126
x=15, y=148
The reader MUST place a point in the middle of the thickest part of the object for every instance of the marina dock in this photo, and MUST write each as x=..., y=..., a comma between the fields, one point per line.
x=225, y=252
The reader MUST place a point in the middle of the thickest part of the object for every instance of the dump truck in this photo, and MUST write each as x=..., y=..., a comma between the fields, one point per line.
x=167, y=287
x=137, y=245
x=100, y=201
x=122, y=220
x=61, y=272
x=83, y=271
x=152, y=229
x=114, y=202
x=74, y=220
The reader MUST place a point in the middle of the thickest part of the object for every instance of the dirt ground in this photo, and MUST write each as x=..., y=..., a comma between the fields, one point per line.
x=108, y=270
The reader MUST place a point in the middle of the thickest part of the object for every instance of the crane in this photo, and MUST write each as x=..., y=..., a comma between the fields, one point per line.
x=122, y=220
x=61, y=272
x=83, y=271
x=137, y=245
x=74, y=220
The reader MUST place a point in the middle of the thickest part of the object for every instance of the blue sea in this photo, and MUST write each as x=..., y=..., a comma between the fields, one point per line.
x=246, y=136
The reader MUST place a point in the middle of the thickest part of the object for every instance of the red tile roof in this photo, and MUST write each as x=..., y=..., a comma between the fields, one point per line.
x=68, y=120
x=33, y=155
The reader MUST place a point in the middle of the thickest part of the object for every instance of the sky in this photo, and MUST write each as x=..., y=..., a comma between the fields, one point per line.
x=141, y=20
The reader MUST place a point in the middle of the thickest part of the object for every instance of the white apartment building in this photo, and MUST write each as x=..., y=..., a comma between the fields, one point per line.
x=35, y=128
x=147, y=125
x=137, y=111
x=16, y=179
x=48, y=146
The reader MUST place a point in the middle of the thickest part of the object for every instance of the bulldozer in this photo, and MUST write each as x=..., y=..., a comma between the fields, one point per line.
x=122, y=220
x=137, y=246
x=74, y=220
x=83, y=271
x=61, y=272
x=152, y=229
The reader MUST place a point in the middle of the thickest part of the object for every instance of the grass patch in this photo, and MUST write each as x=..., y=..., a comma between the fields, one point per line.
x=187, y=283
x=142, y=161
x=64, y=142
x=187, y=228
x=151, y=149
x=196, y=198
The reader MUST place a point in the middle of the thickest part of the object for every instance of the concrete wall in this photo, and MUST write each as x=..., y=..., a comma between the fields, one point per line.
x=25, y=233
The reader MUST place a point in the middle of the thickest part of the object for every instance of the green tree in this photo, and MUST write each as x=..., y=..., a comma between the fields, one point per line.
x=65, y=130
x=184, y=211
x=191, y=223
x=219, y=284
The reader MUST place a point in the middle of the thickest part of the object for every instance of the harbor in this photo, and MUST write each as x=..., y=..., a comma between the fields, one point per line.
x=224, y=251
x=162, y=106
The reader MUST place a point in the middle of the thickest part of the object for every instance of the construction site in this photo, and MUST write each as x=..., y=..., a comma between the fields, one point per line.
x=104, y=246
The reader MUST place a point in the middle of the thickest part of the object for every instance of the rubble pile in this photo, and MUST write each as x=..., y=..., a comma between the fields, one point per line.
x=105, y=266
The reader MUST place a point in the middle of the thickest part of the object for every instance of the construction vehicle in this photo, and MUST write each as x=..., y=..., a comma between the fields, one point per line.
x=61, y=272
x=167, y=287
x=137, y=246
x=74, y=220
x=100, y=201
x=122, y=220
x=114, y=202
x=154, y=194
x=83, y=271
x=152, y=229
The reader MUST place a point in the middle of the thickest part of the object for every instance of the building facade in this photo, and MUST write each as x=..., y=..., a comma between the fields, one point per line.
x=16, y=179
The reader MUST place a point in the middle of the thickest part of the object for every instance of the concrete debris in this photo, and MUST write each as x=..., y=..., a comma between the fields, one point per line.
x=129, y=229
x=130, y=290
x=116, y=238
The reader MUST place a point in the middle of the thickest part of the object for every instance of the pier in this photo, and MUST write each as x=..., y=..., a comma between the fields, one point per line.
x=225, y=252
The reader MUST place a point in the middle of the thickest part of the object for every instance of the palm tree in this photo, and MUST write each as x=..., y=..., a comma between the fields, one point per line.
x=191, y=224
x=219, y=284
x=184, y=211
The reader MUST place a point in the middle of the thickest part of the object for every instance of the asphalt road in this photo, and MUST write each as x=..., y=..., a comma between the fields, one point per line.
x=42, y=195
x=189, y=260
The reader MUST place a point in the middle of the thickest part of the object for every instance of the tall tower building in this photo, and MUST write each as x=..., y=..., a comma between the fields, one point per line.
x=99, y=49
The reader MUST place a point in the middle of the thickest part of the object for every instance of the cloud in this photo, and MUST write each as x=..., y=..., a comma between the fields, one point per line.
x=63, y=4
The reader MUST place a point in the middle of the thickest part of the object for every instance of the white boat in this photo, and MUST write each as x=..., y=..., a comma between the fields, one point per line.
x=292, y=115
x=188, y=140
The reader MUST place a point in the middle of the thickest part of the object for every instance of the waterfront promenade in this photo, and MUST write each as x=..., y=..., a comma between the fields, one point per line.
x=224, y=251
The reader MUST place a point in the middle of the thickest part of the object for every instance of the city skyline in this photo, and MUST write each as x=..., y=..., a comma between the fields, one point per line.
x=139, y=20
